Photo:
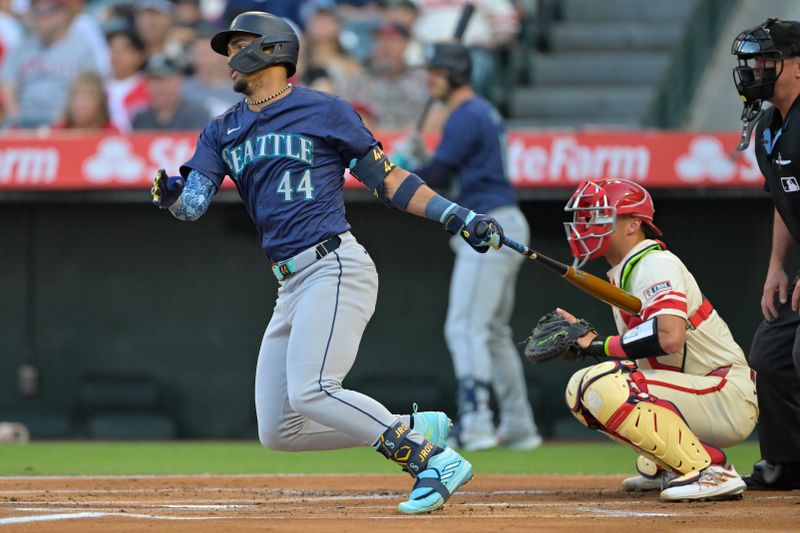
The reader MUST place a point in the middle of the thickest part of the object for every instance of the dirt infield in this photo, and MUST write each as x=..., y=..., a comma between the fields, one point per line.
x=364, y=502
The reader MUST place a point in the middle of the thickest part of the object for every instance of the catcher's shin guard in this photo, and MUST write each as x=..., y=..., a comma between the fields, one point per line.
x=605, y=397
x=396, y=446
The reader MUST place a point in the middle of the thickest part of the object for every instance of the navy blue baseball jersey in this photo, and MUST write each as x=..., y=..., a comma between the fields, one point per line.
x=474, y=141
x=288, y=162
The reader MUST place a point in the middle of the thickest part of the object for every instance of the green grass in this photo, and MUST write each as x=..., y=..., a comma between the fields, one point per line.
x=103, y=458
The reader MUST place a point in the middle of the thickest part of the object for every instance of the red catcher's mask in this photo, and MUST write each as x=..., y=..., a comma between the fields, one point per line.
x=595, y=206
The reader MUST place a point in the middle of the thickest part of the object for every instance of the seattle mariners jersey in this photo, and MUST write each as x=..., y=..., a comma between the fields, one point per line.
x=473, y=141
x=287, y=161
x=665, y=287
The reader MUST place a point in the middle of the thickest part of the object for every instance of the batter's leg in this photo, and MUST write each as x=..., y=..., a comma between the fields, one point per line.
x=279, y=426
x=332, y=308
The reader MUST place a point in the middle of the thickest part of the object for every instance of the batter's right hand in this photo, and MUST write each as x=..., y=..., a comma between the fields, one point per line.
x=777, y=282
x=166, y=189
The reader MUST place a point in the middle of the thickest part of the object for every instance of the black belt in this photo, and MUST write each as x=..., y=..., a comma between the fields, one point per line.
x=284, y=269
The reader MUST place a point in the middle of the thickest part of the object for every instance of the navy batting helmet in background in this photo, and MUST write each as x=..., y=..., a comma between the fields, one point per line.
x=453, y=57
x=274, y=32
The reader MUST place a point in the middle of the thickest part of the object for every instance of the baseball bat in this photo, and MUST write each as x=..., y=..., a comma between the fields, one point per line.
x=590, y=284
x=458, y=34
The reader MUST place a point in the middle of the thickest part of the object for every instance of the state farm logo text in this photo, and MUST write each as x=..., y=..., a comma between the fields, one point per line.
x=567, y=160
x=28, y=166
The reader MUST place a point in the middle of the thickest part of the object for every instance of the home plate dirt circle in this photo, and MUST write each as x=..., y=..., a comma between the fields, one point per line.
x=365, y=502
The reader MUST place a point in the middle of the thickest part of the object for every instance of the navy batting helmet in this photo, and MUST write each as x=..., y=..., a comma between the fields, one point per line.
x=274, y=32
x=454, y=58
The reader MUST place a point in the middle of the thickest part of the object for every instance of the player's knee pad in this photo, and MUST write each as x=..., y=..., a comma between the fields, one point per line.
x=578, y=394
x=606, y=396
x=571, y=396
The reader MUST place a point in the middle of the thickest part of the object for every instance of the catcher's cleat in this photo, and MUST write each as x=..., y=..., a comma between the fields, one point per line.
x=433, y=425
x=446, y=472
x=712, y=483
x=642, y=483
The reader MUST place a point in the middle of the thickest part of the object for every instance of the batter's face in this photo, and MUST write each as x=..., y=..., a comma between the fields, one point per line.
x=242, y=83
x=438, y=86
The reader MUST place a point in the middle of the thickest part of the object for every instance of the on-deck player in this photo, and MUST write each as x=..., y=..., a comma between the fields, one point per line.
x=677, y=387
x=471, y=152
x=286, y=148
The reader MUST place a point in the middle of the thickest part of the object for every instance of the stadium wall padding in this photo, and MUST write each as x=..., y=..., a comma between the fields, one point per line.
x=122, y=291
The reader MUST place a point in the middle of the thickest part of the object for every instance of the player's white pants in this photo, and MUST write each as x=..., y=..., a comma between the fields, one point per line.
x=721, y=412
x=477, y=330
x=309, y=347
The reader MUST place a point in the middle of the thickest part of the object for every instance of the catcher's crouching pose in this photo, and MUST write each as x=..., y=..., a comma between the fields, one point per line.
x=675, y=386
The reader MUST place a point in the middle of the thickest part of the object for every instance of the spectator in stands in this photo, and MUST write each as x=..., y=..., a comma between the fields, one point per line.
x=186, y=21
x=493, y=26
x=168, y=110
x=36, y=79
x=395, y=93
x=127, y=87
x=352, y=10
x=210, y=83
x=323, y=49
x=287, y=9
x=11, y=35
x=319, y=79
x=153, y=21
x=401, y=11
x=87, y=105
x=85, y=26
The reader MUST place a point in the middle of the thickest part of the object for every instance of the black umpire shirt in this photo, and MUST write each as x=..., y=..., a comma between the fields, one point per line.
x=778, y=155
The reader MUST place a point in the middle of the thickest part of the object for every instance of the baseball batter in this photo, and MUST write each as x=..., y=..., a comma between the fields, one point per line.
x=471, y=153
x=677, y=387
x=286, y=149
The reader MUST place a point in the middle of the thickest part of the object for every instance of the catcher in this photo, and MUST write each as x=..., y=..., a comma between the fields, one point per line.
x=673, y=385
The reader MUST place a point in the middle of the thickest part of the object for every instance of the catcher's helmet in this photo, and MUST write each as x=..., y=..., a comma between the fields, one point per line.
x=595, y=206
x=274, y=31
x=770, y=41
x=454, y=58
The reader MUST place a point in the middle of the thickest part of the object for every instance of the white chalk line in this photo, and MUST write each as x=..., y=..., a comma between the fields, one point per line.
x=607, y=513
x=73, y=516
x=292, y=475
x=42, y=518
x=71, y=511
x=284, y=492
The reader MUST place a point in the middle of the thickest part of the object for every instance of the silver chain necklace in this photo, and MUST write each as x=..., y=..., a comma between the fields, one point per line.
x=268, y=98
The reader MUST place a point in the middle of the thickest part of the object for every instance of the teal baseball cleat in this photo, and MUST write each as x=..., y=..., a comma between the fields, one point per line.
x=446, y=472
x=435, y=426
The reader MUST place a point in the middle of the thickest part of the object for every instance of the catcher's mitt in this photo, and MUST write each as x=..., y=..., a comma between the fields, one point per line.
x=554, y=337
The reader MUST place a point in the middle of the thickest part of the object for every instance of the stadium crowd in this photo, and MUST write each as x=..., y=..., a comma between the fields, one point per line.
x=123, y=65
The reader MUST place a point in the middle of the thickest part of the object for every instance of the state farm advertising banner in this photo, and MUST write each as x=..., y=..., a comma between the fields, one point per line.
x=67, y=161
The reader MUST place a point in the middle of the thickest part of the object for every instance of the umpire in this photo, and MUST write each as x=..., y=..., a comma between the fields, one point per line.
x=769, y=69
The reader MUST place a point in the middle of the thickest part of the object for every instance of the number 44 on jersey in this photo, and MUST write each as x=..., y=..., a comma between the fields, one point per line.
x=303, y=191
